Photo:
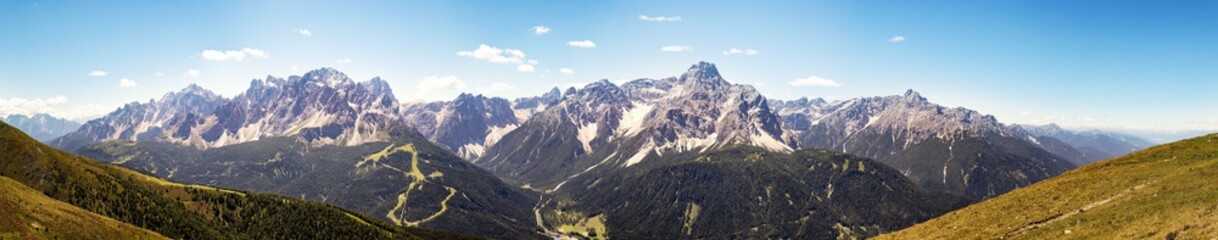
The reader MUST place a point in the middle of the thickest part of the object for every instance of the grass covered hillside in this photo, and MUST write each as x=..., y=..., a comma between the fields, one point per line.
x=1164, y=192
x=176, y=210
x=27, y=214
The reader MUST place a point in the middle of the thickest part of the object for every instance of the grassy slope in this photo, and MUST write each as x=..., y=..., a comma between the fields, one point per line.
x=181, y=211
x=27, y=214
x=1164, y=192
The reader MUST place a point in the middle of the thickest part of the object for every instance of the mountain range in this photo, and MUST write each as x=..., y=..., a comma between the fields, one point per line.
x=705, y=156
x=321, y=137
x=42, y=127
x=1092, y=144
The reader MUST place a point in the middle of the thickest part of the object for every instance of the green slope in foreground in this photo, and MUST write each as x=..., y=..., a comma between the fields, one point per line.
x=30, y=215
x=1164, y=192
x=172, y=209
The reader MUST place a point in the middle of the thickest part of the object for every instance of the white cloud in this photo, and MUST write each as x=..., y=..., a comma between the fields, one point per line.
x=431, y=83
x=582, y=44
x=659, y=18
x=540, y=30
x=83, y=112
x=438, y=87
x=343, y=61
x=55, y=106
x=896, y=39
x=192, y=73
x=30, y=106
x=814, y=81
x=496, y=89
x=566, y=71
x=737, y=51
x=98, y=73
x=127, y=83
x=676, y=48
x=304, y=32
x=1087, y=119
x=493, y=54
x=1026, y=113
x=525, y=68
x=496, y=55
x=233, y=55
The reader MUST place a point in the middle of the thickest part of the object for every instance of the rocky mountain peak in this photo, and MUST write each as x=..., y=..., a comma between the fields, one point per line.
x=554, y=93
x=327, y=76
x=192, y=90
x=912, y=95
x=703, y=73
x=377, y=86
x=196, y=89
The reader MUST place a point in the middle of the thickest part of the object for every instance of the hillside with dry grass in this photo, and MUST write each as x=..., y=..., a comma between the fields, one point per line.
x=1164, y=192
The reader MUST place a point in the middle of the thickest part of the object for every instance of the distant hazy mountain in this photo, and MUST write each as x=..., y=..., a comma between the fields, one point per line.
x=950, y=149
x=1162, y=136
x=41, y=126
x=1163, y=192
x=1094, y=144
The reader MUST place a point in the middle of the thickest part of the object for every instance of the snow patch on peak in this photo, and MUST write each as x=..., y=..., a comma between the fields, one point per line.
x=471, y=151
x=688, y=143
x=497, y=132
x=587, y=133
x=760, y=139
x=632, y=120
x=1033, y=140
x=641, y=154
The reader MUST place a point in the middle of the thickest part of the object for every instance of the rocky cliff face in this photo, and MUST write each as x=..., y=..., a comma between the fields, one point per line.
x=143, y=121
x=322, y=107
x=603, y=126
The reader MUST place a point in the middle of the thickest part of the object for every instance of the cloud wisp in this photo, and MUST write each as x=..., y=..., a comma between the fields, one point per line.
x=501, y=55
x=676, y=48
x=233, y=55
x=737, y=51
x=814, y=81
x=660, y=18
x=539, y=30
x=897, y=39
x=127, y=83
x=582, y=44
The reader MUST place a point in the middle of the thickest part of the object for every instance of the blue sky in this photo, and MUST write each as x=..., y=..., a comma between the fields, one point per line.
x=1082, y=64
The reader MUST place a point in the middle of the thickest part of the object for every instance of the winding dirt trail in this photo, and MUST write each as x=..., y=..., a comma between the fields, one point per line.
x=1089, y=206
x=398, y=213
